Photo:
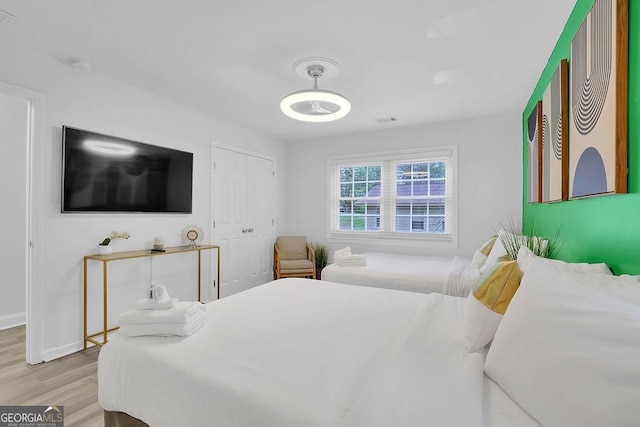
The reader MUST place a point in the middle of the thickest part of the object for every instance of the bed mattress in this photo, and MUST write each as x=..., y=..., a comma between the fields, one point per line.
x=299, y=352
x=424, y=274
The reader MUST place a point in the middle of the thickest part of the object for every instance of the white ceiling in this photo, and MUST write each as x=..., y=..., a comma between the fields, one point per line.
x=418, y=60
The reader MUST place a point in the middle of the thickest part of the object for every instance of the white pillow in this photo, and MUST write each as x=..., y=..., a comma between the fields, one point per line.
x=568, y=349
x=478, y=260
x=497, y=254
x=526, y=255
x=480, y=255
x=479, y=325
x=487, y=303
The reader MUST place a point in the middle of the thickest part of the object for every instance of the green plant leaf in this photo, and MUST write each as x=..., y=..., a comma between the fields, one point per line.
x=532, y=238
x=322, y=254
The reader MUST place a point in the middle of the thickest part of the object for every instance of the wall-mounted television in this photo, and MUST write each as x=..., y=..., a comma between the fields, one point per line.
x=102, y=173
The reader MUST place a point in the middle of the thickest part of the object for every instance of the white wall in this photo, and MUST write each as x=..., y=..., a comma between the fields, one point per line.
x=489, y=178
x=90, y=101
x=13, y=163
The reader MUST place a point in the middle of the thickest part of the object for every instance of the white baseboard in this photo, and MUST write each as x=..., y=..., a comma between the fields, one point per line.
x=55, y=353
x=12, y=320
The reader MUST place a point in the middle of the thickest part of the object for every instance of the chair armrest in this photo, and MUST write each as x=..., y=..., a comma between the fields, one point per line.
x=312, y=252
x=276, y=257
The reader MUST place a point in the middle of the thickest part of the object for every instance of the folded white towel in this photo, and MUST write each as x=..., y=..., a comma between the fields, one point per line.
x=182, y=329
x=345, y=254
x=352, y=263
x=159, y=293
x=354, y=257
x=345, y=258
x=151, y=304
x=342, y=252
x=181, y=313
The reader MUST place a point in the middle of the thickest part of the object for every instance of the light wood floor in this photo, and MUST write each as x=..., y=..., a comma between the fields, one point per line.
x=71, y=381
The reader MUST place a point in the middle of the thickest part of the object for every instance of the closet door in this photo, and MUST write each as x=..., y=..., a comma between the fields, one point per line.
x=261, y=218
x=243, y=219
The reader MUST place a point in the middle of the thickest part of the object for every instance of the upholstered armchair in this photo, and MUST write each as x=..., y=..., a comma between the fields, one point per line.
x=293, y=257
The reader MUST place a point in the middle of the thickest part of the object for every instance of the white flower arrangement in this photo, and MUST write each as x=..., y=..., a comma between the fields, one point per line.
x=113, y=236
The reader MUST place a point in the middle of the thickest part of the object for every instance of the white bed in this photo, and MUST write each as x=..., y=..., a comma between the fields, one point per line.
x=425, y=274
x=298, y=352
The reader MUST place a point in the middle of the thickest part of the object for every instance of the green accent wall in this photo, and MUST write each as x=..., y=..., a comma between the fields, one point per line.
x=605, y=228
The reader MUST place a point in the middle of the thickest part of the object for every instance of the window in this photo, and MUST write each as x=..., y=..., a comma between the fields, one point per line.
x=420, y=197
x=359, y=202
x=394, y=196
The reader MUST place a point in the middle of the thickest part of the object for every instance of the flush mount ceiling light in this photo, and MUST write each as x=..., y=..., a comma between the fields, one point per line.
x=315, y=105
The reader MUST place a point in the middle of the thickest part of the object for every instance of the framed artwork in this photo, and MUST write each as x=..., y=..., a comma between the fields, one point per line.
x=554, y=136
x=598, y=97
x=534, y=148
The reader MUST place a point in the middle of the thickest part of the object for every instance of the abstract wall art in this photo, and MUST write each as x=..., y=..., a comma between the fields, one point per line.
x=554, y=136
x=598, y=102
x=534, y=146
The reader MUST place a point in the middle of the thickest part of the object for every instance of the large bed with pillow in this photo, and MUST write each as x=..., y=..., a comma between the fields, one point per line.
x=425, y=274
x=297, y=352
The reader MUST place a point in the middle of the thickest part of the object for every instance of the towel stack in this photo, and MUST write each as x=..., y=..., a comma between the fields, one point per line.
x=344, y=258
x=158, y=299
x=162, y=315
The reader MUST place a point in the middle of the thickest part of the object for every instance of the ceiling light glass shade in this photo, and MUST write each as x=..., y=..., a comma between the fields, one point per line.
x=315, y=105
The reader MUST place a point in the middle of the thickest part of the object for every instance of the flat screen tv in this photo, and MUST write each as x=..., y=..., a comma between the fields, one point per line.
x=102, y=173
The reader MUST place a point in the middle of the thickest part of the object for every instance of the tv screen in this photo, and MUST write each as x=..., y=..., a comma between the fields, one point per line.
x=103, y=173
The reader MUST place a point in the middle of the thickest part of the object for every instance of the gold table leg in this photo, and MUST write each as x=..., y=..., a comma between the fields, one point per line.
x=218, y=272
x=199, y=274
x=104, y=302
x=85, y=303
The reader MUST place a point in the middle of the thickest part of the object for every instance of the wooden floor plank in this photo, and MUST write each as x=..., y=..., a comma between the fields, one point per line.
x=89, y=416
x=71, y=381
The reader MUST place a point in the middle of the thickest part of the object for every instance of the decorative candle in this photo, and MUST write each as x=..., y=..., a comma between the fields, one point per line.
x=158, y=243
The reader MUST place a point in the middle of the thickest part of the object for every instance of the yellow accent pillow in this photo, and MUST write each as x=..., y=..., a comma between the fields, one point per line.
x=499, y=286
x=488, y=302
x=486, y=247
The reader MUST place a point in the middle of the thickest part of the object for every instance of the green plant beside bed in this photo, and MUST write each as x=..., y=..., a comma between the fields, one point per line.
x=531, y=237
x=322, y=257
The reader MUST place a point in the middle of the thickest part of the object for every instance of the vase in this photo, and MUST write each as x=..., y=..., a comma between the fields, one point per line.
x=105, y=249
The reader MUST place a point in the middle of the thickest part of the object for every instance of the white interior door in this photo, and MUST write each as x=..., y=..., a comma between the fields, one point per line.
x=243, y=218
x=261, y=219
x=27, y=182
x=14, y=125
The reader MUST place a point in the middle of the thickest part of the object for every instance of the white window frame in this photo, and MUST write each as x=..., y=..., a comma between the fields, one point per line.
x=448, y=240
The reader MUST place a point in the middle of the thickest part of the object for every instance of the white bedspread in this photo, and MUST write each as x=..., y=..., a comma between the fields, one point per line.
x=501, y=411
x=425, y=274
x=298, y=352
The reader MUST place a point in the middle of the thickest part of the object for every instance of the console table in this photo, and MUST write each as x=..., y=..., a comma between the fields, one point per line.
x=105, y=259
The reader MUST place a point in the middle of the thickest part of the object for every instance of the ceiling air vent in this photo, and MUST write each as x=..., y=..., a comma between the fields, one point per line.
x=6, y=17
x=387, y=119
